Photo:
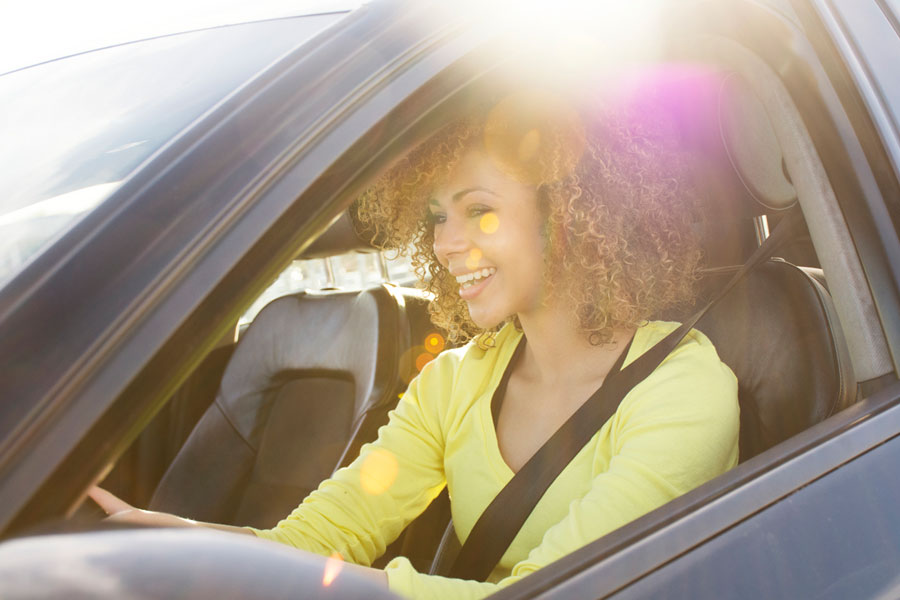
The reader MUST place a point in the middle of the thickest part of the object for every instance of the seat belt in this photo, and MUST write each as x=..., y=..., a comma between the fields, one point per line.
x=504, y=516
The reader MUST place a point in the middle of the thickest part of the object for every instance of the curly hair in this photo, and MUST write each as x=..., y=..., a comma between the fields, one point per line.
x=616, y=193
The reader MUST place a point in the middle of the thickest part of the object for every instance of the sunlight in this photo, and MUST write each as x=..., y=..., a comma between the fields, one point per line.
x=423, y=359
x=474, y=258
x=569, y=38
x=434, y=342
x=333, y=566
x=525, y=130
x=378, y=472
x=489, y=223
x=529, y=145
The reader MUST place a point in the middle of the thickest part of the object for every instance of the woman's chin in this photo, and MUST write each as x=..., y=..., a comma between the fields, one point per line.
x=485, y=321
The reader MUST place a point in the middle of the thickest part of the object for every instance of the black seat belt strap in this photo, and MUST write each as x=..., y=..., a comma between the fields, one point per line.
x=504, y=516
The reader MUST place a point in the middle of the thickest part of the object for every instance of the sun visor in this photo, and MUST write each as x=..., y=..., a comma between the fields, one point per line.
x=752, y=147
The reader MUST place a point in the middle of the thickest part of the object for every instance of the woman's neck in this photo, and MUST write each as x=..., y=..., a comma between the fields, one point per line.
x=558, y=351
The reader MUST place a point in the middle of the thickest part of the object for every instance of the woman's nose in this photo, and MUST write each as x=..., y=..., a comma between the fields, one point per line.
x=450, y=237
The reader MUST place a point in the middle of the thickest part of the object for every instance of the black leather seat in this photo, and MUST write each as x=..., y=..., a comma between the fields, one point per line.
x=312, y=377
x=778, y=332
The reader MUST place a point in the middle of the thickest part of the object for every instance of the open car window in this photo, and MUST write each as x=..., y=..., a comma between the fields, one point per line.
x=349, y=271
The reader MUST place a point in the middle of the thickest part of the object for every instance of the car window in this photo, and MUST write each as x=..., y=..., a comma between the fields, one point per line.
x=350, y=271
x=74, y=128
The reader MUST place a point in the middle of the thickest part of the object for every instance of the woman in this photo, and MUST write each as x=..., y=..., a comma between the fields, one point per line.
x=537, y=232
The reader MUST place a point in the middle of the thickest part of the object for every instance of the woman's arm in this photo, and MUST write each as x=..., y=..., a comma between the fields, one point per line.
x=120, y=511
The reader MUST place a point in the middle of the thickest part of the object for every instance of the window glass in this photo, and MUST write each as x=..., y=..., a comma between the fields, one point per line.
x=72, y=129
x=351, y=271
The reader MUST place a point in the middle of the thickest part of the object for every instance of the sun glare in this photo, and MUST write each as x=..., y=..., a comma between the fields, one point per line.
x=572, y=35
x=473, y=259
x=378, y=472
x=333, y=566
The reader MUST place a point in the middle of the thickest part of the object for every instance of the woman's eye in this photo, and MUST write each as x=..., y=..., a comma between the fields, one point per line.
x=436, y=218
x=477, y=211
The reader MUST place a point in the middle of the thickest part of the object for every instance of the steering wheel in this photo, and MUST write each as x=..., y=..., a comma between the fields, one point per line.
x=168, y=563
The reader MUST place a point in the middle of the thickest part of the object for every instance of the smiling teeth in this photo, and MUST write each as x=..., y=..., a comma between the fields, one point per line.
x=469, y=279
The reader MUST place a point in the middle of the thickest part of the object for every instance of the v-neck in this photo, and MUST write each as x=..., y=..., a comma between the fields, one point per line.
x=499, y=393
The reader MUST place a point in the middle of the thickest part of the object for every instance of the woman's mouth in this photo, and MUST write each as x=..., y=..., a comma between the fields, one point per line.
x=471, y=284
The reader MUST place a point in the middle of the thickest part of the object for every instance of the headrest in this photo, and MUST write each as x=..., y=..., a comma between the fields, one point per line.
x=340, y=238
x=751, y=145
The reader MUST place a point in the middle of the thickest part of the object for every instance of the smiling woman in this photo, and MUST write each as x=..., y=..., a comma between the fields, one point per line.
x=552, y=240
x=612, y=200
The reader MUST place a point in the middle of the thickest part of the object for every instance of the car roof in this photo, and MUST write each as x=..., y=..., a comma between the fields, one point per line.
x=30, y=37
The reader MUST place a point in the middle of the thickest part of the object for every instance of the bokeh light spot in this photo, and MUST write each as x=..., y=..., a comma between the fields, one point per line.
x=423, y=359
x=333, y=566
x=528, y=146
x=489, y=223
x=473, y=259
x=378, y=472
x=408, y=360
x=434, y=343
x=535, y=136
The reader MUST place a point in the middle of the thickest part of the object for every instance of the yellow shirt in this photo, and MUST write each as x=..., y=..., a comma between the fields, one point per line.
x=675, y=430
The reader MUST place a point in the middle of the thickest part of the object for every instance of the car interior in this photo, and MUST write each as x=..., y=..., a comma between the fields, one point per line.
x=800, y=331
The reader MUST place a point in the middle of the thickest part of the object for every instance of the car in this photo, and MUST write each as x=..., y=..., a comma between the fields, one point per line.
x=152, y=191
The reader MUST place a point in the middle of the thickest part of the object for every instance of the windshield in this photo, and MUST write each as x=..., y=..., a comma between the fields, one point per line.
x=73, y=129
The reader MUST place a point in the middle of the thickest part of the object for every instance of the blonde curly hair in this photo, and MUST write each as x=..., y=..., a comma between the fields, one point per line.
x=616, y=192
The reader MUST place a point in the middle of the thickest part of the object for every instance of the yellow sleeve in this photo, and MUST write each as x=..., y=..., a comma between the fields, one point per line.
x=364, y=507
x=674, y=431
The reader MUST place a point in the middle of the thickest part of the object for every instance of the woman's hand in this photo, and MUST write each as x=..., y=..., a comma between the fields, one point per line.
x=120, y=511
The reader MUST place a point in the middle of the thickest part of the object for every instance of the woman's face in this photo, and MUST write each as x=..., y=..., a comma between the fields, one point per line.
x=488, y=234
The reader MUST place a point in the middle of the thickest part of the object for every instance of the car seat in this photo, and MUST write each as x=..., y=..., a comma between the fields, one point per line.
x=777, y=329
x=311, y=379
x=778, y=332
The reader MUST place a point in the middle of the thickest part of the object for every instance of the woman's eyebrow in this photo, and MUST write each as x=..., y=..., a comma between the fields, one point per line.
x=456, y=197
x=462, y=193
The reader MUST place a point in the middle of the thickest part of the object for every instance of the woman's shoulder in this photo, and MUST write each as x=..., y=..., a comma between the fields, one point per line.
x=695, y=355
x=652, y=332
x=692, y=373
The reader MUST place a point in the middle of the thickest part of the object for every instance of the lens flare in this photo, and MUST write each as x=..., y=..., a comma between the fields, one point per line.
x=516, y=131
x=529, y=145
x=408, y=361
x=489, y=223
x=473, y=259
x=434, y=343
x=378, y=472
x=423, y=359
x=333, y=566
